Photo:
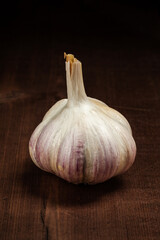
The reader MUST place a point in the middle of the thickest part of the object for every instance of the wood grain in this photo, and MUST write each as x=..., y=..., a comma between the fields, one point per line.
x=121, y=67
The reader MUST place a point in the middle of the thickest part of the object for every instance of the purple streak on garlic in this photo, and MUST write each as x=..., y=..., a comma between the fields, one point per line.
x=81, y=139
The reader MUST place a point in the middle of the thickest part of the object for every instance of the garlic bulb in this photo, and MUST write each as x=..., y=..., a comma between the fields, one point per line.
x=81, y=139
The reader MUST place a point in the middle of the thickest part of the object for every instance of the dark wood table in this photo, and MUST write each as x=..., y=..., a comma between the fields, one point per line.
x=121, y=67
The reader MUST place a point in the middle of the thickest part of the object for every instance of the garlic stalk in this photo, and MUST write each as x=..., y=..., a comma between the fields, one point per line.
x=81, y=139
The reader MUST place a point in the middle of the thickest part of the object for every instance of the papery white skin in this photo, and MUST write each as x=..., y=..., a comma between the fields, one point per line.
x=81, y=139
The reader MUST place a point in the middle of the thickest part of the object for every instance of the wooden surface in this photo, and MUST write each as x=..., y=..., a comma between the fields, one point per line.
x=121, y=67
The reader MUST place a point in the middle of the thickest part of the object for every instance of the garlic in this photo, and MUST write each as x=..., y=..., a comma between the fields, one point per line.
x=81, y=139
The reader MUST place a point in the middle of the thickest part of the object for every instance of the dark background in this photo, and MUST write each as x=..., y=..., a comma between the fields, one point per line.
x=118, y=43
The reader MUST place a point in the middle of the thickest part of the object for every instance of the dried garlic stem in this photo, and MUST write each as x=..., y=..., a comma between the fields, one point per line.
x=70, y=58
x=75, y=87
